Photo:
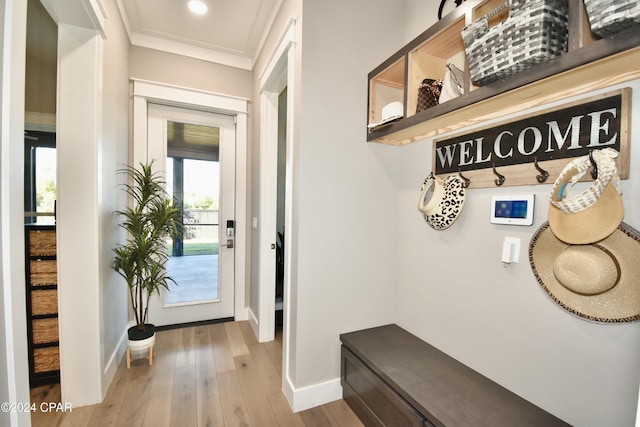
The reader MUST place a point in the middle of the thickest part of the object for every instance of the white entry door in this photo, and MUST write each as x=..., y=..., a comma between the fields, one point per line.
x=196, y=151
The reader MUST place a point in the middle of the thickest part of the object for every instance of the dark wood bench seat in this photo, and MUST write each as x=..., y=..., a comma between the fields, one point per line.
x=392, y=378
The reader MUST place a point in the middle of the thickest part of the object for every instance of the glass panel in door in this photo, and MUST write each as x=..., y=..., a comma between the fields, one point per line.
x=193, y=254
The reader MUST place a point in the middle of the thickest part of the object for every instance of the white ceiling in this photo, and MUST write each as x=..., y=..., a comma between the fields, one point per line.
x=231, y=33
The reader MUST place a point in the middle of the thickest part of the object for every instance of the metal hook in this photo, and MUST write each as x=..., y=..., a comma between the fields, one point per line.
x=594, y=172
x=543, y=173
x=466, y=181
x=500, y=179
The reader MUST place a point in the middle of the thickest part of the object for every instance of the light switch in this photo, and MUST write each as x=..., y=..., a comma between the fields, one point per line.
x=510, y=250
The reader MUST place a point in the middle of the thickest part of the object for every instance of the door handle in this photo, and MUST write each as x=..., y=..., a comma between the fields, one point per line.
x=229, y=244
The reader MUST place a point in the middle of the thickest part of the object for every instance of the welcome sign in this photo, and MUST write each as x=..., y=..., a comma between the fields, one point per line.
x=564, y=132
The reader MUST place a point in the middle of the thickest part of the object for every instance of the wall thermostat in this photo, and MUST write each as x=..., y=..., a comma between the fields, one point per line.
x=512, y=210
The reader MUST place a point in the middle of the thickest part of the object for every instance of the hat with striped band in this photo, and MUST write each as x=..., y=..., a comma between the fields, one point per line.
x=594, y=213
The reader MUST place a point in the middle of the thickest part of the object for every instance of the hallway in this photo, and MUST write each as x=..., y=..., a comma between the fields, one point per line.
x=207, y=375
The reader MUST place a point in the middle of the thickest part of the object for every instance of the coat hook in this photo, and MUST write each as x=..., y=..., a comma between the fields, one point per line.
x=466, y=181
x=543, y=173
x=500, y=179
x=594, y=172
x=430, y=176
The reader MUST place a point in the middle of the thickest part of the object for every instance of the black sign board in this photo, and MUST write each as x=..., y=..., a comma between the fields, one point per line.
x=565, y=132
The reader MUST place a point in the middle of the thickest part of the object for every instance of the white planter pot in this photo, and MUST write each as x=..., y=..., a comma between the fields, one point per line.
x=140, y=349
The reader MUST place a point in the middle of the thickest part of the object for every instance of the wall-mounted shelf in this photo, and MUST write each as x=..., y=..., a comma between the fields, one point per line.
x=590, y=63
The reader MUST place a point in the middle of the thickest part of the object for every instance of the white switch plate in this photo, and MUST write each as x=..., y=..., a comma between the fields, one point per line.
x=254, y=223
x=511, y=250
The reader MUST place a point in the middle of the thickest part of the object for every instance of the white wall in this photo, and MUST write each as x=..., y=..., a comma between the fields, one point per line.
x=78, y=135
x=113, y=151
x=92, y=141
x=346, y=191
x=365, y=256
x=454, y=292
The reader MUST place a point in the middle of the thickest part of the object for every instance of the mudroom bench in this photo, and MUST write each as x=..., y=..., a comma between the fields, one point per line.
x=392, y=378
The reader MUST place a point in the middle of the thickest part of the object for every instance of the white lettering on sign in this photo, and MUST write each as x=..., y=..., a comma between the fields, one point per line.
x=562, y=133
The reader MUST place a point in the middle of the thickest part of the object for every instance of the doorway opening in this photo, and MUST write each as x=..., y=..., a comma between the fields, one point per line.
x=280, y=208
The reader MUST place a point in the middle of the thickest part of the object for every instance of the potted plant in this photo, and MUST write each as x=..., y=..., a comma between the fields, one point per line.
x=141, y=260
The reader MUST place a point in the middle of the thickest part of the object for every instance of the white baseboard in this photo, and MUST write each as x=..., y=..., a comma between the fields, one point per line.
x=304, y=398
x=114, y=361
x=241, y=314
x=253, y=322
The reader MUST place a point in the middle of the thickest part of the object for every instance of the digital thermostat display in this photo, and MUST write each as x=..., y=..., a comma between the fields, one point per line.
x=512, y=210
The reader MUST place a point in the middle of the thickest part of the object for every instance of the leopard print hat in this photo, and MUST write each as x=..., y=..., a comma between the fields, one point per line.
x=446, y=203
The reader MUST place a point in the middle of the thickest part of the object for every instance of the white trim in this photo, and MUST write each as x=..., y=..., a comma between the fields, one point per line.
x=89, y=14
x=116, y=356
x=311, y=396
x=286, y=39
x=79, y=126
x=253, y=321
x=276, y=75
x=241, y=213
x=14, y=376
x=267, y=30
x=144, y=92
x=184, y=96
x=229, y=59
x=267, y=233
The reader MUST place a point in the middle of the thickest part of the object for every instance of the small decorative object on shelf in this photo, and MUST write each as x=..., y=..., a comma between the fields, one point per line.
x=608, y=17
x=391, y=112
x=428, y=94
x=452, y=86
x=533, y=33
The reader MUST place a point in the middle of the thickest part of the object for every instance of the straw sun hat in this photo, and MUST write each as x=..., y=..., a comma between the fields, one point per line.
x=594, y=213
x=585, y=258
x=598, y=282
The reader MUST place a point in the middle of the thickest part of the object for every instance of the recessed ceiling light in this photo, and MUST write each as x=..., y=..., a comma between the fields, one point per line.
x=198, y=7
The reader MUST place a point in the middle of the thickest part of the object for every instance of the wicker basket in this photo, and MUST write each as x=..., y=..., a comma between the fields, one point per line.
x=608, y=17
x=45, y=330
x=42, y=242
x=46, y=359
x=535, y=32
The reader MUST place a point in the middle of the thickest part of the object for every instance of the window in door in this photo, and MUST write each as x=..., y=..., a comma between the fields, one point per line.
x=193, y=181
x=39, y=177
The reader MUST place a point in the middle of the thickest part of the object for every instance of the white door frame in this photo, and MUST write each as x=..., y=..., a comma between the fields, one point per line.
x=145, y=92
x=277, y=74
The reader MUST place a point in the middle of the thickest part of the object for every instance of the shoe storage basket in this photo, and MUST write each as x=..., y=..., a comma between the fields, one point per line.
x=608, y=17
x=534, y=32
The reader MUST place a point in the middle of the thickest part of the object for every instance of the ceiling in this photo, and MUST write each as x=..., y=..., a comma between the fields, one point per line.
x=231, y=33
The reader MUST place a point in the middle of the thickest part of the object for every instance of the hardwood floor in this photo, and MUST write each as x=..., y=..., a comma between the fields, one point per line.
x=211, y=375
